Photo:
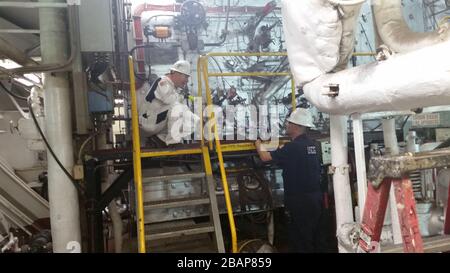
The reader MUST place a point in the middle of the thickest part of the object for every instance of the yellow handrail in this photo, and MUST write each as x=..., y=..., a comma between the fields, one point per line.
x=226, y=191
x=137, y=159
x=204, y=61
x=443, y=20
x=364, y=54
x=202, y=68
x=200, y=95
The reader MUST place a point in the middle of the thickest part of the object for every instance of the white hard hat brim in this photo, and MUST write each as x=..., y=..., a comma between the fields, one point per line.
x=310, y=125
x=176, y=70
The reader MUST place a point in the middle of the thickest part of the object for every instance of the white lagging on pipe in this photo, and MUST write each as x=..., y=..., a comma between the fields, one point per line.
x=341, y=181
x=360, y=161
x=417, y=79
x=391, y=146
x=349, y=17
x=395, y=32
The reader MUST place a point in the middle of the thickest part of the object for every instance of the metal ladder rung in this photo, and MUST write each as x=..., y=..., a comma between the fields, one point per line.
x=193, y=175
x=175, y=203
x=178, y=231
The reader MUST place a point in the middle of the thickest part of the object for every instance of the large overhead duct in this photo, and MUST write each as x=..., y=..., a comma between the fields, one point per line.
x=396, y=34
x=417, y=79
x=313, y=34
x=349, y=17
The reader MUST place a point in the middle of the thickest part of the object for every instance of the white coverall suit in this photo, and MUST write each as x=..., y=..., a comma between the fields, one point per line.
x=163, y=106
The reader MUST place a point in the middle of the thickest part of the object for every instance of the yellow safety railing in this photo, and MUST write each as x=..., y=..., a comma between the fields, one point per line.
x=202, y=69
x=137, y=159
x=443, y=20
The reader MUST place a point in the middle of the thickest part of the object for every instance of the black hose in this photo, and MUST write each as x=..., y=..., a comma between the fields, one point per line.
x=72, y=179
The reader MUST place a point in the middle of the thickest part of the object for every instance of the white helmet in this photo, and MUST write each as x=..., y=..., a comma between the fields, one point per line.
x=302, y=117
x=182, y=67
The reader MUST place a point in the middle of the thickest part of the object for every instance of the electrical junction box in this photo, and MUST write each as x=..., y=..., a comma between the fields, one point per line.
x=326, y=152
x=78, y=172
x=96, y=26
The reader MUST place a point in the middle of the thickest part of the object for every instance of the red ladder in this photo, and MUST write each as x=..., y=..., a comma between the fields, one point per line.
x=375, y=210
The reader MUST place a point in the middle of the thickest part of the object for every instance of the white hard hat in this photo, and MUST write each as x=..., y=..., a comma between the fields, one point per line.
x=182, y=67
x=301, y=116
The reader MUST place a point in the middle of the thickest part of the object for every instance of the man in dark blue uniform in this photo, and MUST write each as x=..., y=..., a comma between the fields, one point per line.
x=303, y=197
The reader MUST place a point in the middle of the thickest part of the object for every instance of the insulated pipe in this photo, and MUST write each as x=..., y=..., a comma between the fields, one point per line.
x=392, y=85
x=341, y=181
x=350, y=16
x=64, y=207
x=396, y=34
x=391, y=146
x=360, y=159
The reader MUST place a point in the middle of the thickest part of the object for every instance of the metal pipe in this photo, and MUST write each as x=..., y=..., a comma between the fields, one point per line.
x=360, y=159
x=349, y=19
x=20, y=31
x=341, y=181
x=108, y=177
x=12, y=52
x=64, y=207
x=31, y=5
x=63, y=65
x=79, y=83
x=395, y=32
x=391, y=145
x=19, y=108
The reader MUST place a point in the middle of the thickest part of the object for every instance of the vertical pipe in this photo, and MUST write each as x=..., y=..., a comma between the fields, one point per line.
x=82, y=119
x=341, y=181
x=107, y=178
x=64, y=207
x=360, y=159
x=94, y=216
x=391, y=146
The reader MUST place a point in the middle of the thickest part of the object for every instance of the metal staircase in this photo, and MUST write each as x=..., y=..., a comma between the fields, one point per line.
x=183, y=228
x=148, y=232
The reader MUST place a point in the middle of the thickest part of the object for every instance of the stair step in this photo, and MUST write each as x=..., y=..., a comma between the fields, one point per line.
x=156, y=234
x=175, y=203
x=170, y=177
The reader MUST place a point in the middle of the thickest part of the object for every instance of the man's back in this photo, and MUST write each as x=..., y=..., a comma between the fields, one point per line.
x=301, y=167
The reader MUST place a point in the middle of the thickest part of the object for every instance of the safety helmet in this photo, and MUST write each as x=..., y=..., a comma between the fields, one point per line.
x=301, y=116
x=182, y=67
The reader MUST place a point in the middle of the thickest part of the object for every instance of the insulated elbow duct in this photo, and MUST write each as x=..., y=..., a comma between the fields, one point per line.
x=396, y=34
x=349, y=17
x=392, y=85
x=313, y=34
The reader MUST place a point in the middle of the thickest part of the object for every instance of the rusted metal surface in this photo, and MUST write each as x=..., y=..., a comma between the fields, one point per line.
x=373, y=216
x=398, y=166
x=375, y=210
x=407, y=212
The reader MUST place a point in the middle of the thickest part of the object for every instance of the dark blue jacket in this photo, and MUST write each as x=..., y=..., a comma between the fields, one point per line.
x=301, y=169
